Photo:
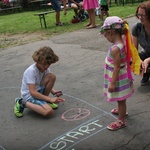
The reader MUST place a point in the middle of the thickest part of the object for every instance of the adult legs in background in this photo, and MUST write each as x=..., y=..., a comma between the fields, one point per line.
x=91, y=13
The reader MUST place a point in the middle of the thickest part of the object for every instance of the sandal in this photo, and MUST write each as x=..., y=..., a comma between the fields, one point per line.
x=90, y=27
x=115, y=111
x=88, y=24
x=116, y=125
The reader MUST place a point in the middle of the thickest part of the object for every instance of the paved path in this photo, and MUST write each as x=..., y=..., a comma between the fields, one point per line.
x=80, y=122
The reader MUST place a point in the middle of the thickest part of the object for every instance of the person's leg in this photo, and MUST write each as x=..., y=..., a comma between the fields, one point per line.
x=120, y=123
x=91, y=13
x=75, y=8
x=48, y=83
x=103, y=9
x=57, y=8
x=44, y=110
x=93, y=17
x=57, y=17
x=102, y=15
x=121, y=110
x=107, y=13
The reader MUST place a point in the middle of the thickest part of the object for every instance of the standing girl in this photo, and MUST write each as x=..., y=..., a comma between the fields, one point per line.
x=118, y=85
x=90, y=6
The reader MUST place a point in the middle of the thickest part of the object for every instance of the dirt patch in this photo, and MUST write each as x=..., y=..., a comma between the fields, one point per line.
x=9, y=40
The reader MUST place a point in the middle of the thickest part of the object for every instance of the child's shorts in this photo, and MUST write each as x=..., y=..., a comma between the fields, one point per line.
x=38, y=101
x=56, y=5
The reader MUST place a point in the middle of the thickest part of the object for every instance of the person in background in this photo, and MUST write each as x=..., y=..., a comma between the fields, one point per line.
x=90, y=6
x=141, y=37
x=104, y=9
x=98, y=10
x=118, y=86
x=56, y=6
x=37, y=84
x=76, y=5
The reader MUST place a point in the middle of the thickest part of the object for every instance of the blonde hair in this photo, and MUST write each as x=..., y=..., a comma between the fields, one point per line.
x=45, y=55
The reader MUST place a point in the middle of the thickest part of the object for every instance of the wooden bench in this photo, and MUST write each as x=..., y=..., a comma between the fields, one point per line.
x=12, y=9
x=42, y=17
x=46, y=6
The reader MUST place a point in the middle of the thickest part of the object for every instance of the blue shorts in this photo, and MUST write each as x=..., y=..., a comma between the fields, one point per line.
x=56, y=5
x=38, y=101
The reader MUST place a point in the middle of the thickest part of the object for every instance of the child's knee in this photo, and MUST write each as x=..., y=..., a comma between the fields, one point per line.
x=50, y=77
x=48, y=112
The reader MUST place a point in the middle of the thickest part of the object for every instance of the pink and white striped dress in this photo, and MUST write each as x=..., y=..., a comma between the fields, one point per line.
x=124, y=85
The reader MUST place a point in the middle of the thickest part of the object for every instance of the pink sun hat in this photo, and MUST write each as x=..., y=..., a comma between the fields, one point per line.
x=112, y=22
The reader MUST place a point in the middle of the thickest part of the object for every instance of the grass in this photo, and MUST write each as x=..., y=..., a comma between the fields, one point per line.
x=26, y=22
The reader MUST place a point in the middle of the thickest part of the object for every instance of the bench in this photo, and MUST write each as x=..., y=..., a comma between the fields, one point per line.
x=46, y=6
x=12, y=9
x=42, y=17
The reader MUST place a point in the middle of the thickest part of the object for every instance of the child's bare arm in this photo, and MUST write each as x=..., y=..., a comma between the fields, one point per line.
x=38, y=95
x=116, y=57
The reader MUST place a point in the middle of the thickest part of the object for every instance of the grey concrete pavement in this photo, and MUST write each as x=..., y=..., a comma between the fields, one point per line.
x=80, y=122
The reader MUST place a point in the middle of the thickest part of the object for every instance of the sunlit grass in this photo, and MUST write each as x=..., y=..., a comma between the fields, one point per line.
x=26, y=22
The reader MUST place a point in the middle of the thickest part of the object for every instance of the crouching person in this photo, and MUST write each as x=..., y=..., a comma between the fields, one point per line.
x=37, y=84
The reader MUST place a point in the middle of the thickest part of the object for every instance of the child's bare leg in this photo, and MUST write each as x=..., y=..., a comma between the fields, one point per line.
x=58, y=17
x=122, y=109
x=48, y=83
x=120, y=123
x=101, y=15
x=107, y=13
x=46, y=110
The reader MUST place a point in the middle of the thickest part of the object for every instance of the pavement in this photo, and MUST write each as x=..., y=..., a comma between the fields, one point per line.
x=80, y=122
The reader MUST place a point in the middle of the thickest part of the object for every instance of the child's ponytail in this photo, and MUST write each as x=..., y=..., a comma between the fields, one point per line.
x=132, y=53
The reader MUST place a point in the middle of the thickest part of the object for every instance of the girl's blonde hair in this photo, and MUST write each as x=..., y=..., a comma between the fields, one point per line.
x=45, y=55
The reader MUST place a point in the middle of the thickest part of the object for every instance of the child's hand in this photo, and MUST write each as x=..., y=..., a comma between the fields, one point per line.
x=145, y=65
x=111, y=88
x=57, y=100
x=57, y=93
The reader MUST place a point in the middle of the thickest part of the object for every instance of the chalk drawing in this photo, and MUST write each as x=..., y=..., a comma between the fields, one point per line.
x=75, y=114
x=87, y=129
x=79, y=133
x=2, y=148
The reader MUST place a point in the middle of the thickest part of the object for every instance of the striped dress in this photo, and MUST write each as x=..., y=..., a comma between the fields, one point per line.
x=124, y=85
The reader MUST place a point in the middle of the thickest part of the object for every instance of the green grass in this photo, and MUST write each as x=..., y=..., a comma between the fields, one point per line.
x=13, y=26
x=26, y=22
